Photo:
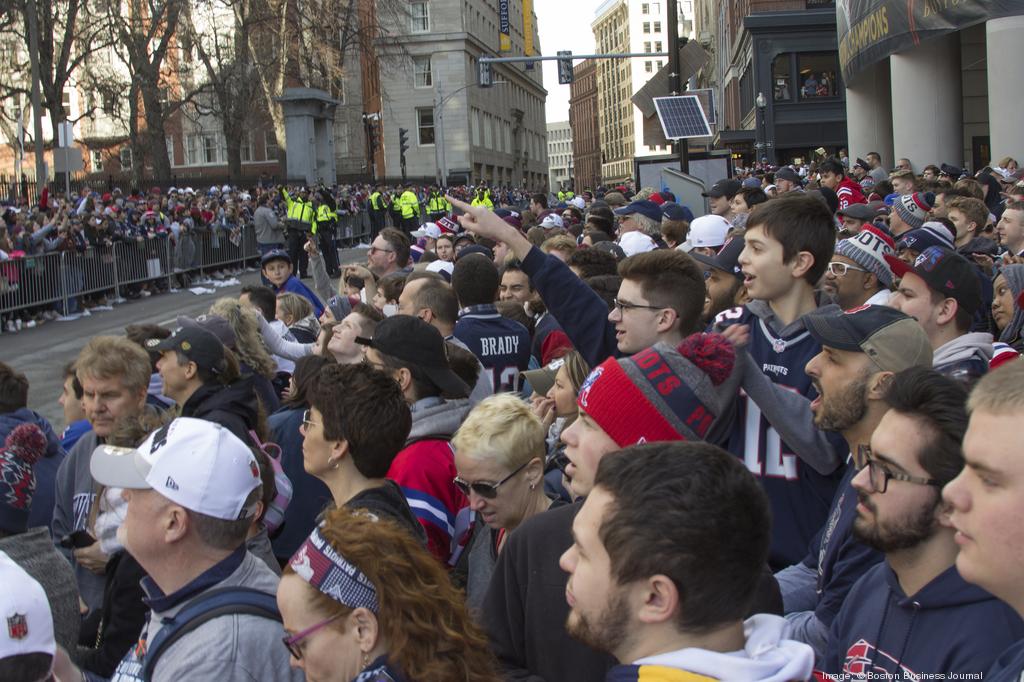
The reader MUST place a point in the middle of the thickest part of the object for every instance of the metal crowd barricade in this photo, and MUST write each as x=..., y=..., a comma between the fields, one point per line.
x=32, y=281
x=60, y=278
x=352, y=229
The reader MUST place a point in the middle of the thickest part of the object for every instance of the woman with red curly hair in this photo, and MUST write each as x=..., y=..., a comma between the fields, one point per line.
x=362, y=601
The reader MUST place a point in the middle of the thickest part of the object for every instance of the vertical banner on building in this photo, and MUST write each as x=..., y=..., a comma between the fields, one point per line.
x=504, y=27
x=528, y=31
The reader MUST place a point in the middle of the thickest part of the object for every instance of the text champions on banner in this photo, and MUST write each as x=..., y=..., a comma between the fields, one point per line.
x=871, y=30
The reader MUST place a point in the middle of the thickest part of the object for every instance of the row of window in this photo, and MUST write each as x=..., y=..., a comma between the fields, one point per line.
x=657, y=46
x=803, y=76
x=657, y=27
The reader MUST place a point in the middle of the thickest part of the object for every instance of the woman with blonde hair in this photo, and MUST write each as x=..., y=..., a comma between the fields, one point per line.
x=245, y=341
x=297, y=314
x=499, y=457
x=362, y=600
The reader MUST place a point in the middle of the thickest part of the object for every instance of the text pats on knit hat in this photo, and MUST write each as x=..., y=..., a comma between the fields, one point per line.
x=914, y=208
x=661, y=393
x=868, y=249
x=22, y=448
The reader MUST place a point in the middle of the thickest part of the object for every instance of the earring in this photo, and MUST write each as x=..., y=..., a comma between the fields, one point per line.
x=533, y=486
x=366, y=660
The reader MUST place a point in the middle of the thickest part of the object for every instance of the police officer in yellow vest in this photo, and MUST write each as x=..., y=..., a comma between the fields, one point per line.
x=569, y=194
x=410, y=205
x=437, y=205
x=561, y=195
x=324, y=228
x=482, y=198
x=377, y=210
x=298, y=224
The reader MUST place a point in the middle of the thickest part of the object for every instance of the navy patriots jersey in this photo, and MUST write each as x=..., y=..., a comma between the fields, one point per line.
x=502, y=345
x=799, y=496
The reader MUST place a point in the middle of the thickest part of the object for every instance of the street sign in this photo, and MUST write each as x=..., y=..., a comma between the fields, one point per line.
x=486, y=76
x=682, y=117
x=565, y=67
x=65, y=134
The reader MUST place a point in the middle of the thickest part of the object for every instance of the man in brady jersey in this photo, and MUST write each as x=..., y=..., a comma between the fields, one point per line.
x=833, y=176
x=502, y=345
x=789, y=242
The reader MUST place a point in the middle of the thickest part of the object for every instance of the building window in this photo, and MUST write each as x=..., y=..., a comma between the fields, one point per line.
x=648, y=67
x=109, y=103
x=270, y=144
x=169, y=142
x=422, y=77
x=211, y=148
x=425, y=126
x=817, y=74
x=126, y=158
x=657, y=27
x=647, y=27
x=647, y=47
x=782, y=78
x=248, y=149
x=65, y=101
x=659, y=64
x=657, y=46
x=419, y=17
x=655, y=8
x=645, y=8
x=96, y=157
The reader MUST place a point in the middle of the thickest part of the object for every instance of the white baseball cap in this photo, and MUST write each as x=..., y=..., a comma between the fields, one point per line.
x=432, y=230
x=552, y=220
x=26, y=624
x=442, y=267
x=636, y=242
x=196, y=463
x=708, y=230
x=578, y=202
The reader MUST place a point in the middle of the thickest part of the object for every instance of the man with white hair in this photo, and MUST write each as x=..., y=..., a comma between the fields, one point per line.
x=193, y=489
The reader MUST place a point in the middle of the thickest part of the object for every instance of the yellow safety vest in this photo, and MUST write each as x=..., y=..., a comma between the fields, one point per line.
x=438, y=204
x=324, y=215
x=410, y=204
x=375, y=201
x=298, y=209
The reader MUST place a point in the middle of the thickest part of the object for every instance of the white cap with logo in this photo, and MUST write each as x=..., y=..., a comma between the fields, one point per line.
x=26, y=624
x=196, y=463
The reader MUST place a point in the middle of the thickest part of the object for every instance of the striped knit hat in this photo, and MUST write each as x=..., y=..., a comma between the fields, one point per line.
x=661, y=393
x=868, y=249
x=914, y=208
x=24, y=445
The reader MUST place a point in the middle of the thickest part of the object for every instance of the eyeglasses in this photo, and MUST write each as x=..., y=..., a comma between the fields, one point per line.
x=879, y=474
x=292, y=643
x=306, y=419
x=485, y=490
x=375, y=249
x=623, y=306
x=837, y=269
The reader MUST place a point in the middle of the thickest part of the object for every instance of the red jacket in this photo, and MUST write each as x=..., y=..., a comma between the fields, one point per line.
x=849, y=192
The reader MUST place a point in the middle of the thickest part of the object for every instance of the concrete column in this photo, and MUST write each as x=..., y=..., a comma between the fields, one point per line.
x=1005, y=84
x=869, y=114
x=927, y=108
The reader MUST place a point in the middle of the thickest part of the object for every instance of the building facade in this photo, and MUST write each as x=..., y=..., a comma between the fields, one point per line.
x=583, y=119
x=560, y=160
x=775, y=72
x=935, y=95
x=633, y=26
x=470, y=133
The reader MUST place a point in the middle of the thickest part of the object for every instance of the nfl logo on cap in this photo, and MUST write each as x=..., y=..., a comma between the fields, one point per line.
x=17, y=626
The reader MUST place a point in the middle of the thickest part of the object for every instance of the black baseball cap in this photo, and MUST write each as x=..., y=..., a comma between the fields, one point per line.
x=195, y=343
x=723, y=188
x=412, y=340
x=215, y=324
x=859, y=212
x=275, y=254
x=727, y=259
x=787, y=173
x=944, y=271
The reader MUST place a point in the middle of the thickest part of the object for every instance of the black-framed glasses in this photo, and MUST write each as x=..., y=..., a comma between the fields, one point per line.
x=485, y=490
x=291, y=642
x=623, y=306
x=879, y=474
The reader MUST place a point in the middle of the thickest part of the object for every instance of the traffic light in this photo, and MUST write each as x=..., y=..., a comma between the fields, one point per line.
x=403, y=141
x=565, y=67
x=485, y=75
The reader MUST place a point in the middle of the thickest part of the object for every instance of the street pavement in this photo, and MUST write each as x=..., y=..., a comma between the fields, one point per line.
x=42, y=352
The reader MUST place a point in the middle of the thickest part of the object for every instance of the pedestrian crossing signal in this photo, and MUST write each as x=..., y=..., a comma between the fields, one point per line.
x=486, y=75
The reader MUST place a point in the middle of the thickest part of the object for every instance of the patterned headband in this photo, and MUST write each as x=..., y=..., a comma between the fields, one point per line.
x=321, y=566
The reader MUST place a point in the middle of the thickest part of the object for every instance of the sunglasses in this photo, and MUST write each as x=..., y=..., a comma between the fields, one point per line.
x=488, y=491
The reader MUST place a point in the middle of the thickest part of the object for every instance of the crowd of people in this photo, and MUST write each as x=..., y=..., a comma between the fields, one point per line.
x=587, y=437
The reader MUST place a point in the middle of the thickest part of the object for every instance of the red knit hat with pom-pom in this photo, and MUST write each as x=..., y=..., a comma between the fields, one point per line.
x=661, y=393
x=23, y=446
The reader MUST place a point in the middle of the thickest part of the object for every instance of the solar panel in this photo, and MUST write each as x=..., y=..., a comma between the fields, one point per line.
x=707, y=102
x=681, y=117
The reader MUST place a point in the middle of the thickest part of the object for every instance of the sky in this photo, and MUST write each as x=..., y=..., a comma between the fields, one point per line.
x=563, y=25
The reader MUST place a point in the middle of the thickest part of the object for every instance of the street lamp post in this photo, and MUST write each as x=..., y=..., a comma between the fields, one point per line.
x=763, y=145
x=440, y=100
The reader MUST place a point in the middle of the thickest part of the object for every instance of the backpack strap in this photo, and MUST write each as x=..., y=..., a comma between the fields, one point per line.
x=224, y=601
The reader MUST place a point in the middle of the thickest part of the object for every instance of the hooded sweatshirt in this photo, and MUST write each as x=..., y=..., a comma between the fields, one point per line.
x=45, y=468
x=766, y=657
x=798, y=493
x=965, y=358
x=949, y=626
x=233, y=406
x=425, y=469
